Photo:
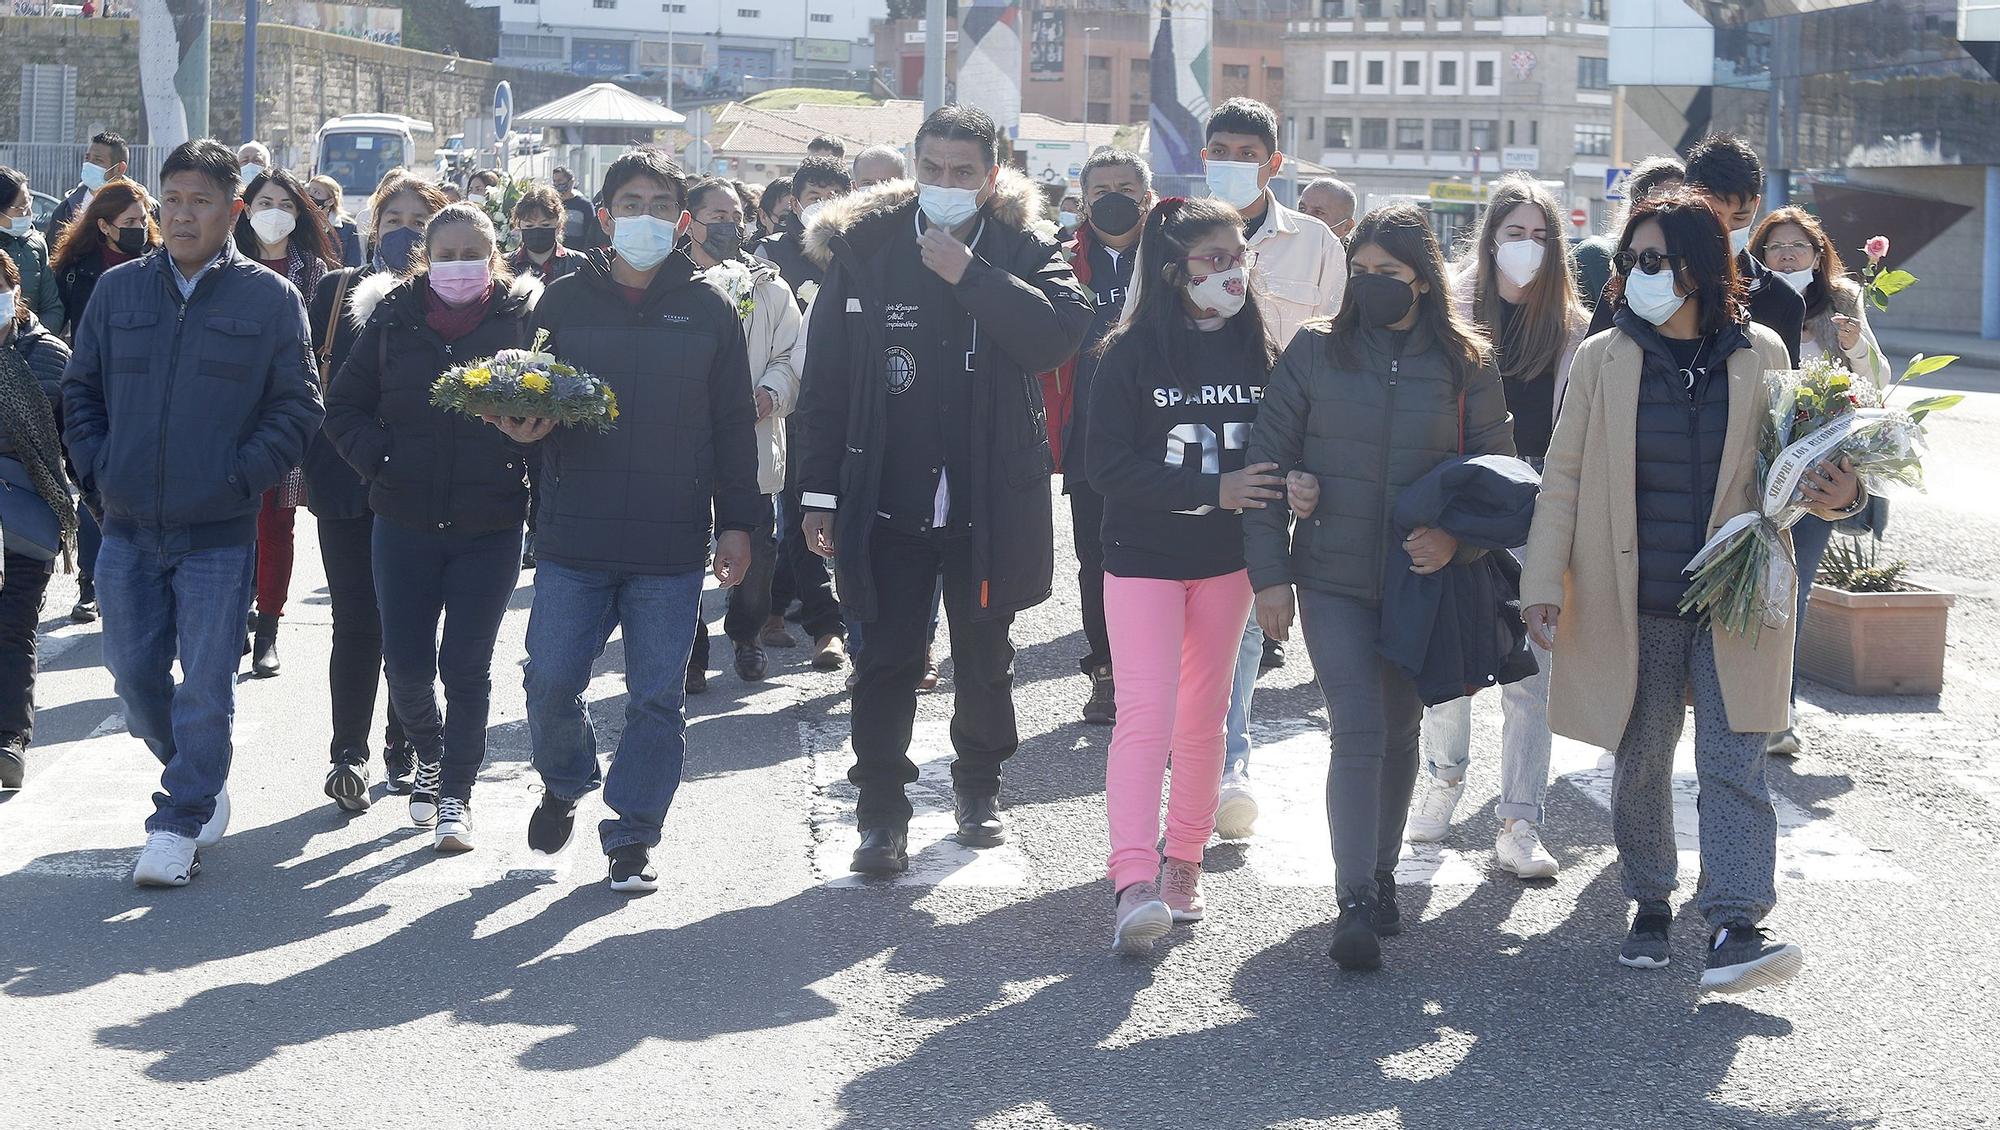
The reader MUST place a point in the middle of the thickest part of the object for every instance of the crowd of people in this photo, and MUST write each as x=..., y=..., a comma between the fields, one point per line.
x=848, y=391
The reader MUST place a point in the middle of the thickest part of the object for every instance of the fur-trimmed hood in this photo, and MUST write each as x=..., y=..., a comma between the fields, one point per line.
x=367, y=295
x=1017, y=203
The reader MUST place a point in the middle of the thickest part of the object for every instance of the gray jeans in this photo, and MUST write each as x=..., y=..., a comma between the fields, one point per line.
x=1739, y=829
x=1375, y=717
x=1524, y=740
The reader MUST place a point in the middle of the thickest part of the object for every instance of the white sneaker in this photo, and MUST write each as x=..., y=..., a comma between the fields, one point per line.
x=1236, y=808
x=454, y=825
x=167, y=860
x=1430, y=816
x=218, y=821
x=1520, y=850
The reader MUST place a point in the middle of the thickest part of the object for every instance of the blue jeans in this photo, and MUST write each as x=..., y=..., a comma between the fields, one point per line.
x=159, y=602
x=1236, y=729
x=465, y=578
x=575, y=610
x=1810, y=537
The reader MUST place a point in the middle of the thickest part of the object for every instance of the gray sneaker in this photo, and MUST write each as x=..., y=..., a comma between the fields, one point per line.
x=1742, y=957
x=1180, y=883
x=1647, y=946
x=1140, y=919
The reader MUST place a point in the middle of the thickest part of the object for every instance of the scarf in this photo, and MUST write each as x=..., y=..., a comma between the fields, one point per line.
x=25, y=411
x=454, y=322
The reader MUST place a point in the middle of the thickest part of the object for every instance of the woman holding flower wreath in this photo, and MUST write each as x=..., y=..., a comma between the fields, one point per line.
x=1655, y=448
x=449, y=494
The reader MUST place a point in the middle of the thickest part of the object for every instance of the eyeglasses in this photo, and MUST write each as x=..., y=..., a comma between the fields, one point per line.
x=1800, y=248
x=1648, y=261
x=1204, y=265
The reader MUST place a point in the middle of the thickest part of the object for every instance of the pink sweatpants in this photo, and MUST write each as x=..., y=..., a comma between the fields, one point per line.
x=1174, y=645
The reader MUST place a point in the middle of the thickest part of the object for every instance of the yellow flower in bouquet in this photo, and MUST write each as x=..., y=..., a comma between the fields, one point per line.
x=478, y=378
x=534, y=382
x=527, y=383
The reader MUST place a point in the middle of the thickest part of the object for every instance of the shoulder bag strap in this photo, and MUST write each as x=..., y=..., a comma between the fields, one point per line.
x=333, y=327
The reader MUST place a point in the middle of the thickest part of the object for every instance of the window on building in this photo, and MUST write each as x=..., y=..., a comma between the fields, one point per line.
x=1235, y=80
x=1333, y=9
x=1593, y=9
x=670, y=9
x=604, y=3
x=1413, y=72
x=1447, y=72
x=1413, y=9
x=1445, y=135
x=1378, y=71
x=1374, y=133
x=1592, y=73
x=1593, y=140
x=1274, y=86
x=1510, y=131
x=524, y=1
x=1371, y=9
x=748, y=13
x=1481, y=133
x=1482, y=73
x=1534, y=131
x=1338, y=71
x=531, y=47
x=1409, y=133
x=1340, y=133
x=822, y=18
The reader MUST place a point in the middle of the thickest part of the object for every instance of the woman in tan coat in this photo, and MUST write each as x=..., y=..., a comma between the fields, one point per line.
x=1655, y=448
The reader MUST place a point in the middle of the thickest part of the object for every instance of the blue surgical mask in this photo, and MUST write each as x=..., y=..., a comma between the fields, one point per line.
x=93, y=176
x=1234, y=182
x=643, y=241
x=394, y=248
x=21, y=225
x=947, y=207
x=6, y=311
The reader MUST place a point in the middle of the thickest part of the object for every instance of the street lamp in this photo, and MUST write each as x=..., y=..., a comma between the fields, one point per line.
x=1086, y=75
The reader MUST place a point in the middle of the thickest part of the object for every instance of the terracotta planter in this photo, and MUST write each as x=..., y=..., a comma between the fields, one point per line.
x=1875, y=642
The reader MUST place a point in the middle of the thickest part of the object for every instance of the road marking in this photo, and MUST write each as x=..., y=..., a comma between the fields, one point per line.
x=936, y=859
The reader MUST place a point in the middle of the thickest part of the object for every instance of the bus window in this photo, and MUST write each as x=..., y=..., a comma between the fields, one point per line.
x=359, y=161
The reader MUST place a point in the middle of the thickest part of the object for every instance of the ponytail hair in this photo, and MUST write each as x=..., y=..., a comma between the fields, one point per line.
x=1155, y=312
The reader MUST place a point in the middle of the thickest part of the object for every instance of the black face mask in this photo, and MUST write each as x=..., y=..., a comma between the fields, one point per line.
x=1114, y=214
x=564, y=189
x=1380, y=301
x=131, y=241
x=790, y=222
x=541, y=241
x=723, y=241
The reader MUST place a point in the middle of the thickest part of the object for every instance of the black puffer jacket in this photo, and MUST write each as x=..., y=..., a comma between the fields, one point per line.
x=428, y=468
x=76, y=284
x=638, y=499
x=1367, y=429
x=1676, y=458
x=1028, y=316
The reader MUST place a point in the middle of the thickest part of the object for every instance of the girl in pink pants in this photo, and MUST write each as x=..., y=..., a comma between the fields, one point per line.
x=1170, y=413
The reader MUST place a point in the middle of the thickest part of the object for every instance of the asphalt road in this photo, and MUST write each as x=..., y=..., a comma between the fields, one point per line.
x=332, y=971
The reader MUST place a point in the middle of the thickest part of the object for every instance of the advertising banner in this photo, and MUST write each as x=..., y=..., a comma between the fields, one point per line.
x=989, y=65
x=1181, y=31
x=1045, y=48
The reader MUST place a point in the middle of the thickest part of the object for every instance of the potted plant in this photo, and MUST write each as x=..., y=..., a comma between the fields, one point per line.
x=1870, y=631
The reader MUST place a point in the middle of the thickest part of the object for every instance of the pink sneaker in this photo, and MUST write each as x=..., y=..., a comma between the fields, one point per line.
x=1180, y=883
x=1140, y=919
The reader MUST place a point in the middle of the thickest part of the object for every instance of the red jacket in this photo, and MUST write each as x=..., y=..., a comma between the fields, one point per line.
x=1059, y=385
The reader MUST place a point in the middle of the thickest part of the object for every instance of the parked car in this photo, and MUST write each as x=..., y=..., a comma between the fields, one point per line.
x=43, y=206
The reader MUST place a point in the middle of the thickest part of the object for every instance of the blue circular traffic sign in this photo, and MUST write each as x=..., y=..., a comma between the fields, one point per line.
x=503, y=108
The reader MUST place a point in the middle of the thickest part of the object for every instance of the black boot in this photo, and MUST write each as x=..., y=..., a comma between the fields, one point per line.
x=1388, y=918
x=84, y=611
x=1102, y=707
x=884, y=850
x=1355, y=943
x=13, y=760
x=264, y=636
x=979, y=821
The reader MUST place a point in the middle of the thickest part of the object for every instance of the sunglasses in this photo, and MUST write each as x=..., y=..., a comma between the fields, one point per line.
x=1649, y=262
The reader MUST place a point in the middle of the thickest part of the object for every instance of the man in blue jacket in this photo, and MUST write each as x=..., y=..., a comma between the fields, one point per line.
x=190, y=393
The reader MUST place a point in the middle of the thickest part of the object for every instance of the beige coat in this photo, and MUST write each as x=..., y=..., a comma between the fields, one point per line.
x=770, y=333
x=1583, y=551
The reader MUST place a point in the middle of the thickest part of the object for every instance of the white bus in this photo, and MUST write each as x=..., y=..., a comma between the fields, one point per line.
x=357, y=150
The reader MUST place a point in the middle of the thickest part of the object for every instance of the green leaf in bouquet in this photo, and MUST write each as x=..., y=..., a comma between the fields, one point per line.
x=1922, y=366
x=1877, y=300
x=1932, y=404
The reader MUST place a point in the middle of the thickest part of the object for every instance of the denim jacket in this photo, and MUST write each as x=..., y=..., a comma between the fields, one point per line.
x=179, y=414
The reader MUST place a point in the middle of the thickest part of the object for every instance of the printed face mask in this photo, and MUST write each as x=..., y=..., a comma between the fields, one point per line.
x=1521, y=260
x=1222, y=295
x=395, y=247
x=1652, y=297
x=1234, y=182
x=947, y=207
x=461, y=281
x=273, y=224
x=642, y=241
x=1381, y=300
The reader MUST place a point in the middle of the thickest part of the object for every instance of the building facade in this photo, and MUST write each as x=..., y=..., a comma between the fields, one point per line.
x=726, y=46
x=1432, y=100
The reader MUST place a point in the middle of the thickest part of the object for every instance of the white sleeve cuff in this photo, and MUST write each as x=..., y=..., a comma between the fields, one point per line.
x=819, y=501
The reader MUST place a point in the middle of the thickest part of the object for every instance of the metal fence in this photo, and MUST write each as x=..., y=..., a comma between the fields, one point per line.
x=53, y=168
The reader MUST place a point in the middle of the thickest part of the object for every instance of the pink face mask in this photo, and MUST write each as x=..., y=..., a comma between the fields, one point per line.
x=460, y=281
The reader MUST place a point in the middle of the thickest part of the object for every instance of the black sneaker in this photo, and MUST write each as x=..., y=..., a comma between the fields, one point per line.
x=1102, y=707
x=1356, y=945
x=84, y=611
x=1274, y=655
x=550, y=824
x=1647, y=945
x=1742, y=957
x=697, y=680
x=13, y=760
x=399, y=764
x=632, y=870
x=1388, y=919
x=347, y=781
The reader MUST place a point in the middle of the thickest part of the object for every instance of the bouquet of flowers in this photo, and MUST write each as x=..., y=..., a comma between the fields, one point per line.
x=527, y=383
x=1744, y=577
x=733, y=278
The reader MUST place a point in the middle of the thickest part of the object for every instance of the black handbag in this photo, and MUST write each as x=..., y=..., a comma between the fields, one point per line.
x=28, y=525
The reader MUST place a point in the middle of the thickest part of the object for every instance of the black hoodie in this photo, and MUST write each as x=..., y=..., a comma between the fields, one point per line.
x=638, y=498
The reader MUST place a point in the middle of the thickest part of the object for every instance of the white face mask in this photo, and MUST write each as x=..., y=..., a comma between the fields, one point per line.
x=92, y=176
x=1797, y=280
x=273, y=224
x=1652, y=297
x=1224, y=293
x=1521, y=260
x=7, y=300
x=947, y=207
x=252, y=171
x=643, y=241
x=807, y=213
x=478, y=198
x=21, y=225
x=1234, y=182
x=1739, y=241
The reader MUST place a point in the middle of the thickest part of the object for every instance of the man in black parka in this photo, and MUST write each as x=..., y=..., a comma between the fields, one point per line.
x=926, y=448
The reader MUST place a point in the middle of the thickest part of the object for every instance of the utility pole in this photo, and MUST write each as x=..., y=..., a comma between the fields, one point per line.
x=934, y=56
x=249, y=70
x=1086, y=78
